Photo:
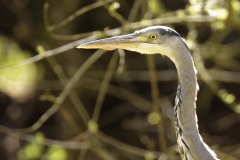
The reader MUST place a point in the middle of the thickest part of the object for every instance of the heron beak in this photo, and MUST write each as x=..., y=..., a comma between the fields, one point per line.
x=125, y=42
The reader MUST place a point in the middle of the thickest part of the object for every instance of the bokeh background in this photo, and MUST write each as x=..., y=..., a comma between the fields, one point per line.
x=62, y=103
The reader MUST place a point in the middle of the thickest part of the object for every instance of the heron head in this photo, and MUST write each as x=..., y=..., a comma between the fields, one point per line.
x=150, y=40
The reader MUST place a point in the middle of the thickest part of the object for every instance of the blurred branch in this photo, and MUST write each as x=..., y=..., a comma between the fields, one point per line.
x=167, y=20
x=72, y=16
x=79, y=12
x=121, y=61
x=134, y=10
x=50, y=53
x=221, y=93
x=119, y=92
x=111, y=9
x=103, y=153
x=135, y=25
x=156, y=104
x=68, y=88
x=82, y=154
x=112, y=12
x=47, y=141
x=163, y=75
x=127, y=148
x=104, y=86
x=72, y=95
x=113, y=32
x=233, y=17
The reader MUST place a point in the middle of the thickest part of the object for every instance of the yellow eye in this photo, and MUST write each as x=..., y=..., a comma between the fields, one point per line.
x=153, y=36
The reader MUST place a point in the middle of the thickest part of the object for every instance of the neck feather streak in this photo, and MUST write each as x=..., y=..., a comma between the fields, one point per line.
x=190, y=142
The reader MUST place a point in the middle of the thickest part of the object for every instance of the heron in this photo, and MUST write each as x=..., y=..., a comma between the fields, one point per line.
x=166, y=41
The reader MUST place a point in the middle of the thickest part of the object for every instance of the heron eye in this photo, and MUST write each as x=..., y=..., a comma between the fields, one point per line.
x=153, y=36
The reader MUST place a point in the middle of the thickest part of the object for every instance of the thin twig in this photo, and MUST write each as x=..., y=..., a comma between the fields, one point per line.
x=103, y=153
x=123, y=94
x=134, y=10
x=119, y=92
x=156, y=103
x=125, y=147
x=113, y=32
x=47, y=141
x=121, y=61
x=63, y=37
x=50, y=53
x=114, y=14
x=215, y=87
x=82, y=154
x=72, y=95
x=75, y=14
x=68, y=88
x=167, y=75
x=104, y=86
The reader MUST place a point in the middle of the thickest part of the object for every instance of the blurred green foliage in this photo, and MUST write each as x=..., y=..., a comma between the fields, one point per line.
x=17, y=82
x=37, y=150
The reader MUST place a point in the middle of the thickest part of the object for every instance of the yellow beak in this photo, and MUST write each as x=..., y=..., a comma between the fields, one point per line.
x=125, y=41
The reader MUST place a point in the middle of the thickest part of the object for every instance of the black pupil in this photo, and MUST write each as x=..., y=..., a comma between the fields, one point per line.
x=153, y=36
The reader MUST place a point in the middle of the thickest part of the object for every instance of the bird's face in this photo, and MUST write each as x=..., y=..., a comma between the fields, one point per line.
x=151, y=40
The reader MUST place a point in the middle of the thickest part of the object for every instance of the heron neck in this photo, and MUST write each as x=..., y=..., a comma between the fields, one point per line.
x=188, y=137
